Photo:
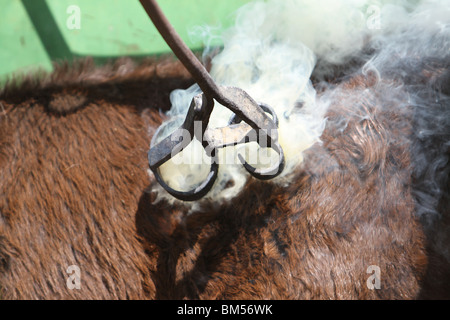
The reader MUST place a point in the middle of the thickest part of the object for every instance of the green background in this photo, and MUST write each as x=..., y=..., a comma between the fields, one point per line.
x=33, y=33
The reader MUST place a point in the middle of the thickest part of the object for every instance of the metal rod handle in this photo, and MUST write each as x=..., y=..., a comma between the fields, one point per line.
x=179, y=48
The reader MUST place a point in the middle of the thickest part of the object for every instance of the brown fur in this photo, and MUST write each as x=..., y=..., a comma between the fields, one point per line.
x=70, y=184
x=74, y=190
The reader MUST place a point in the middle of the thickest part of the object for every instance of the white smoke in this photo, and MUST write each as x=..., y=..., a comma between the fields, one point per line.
x=272, y=51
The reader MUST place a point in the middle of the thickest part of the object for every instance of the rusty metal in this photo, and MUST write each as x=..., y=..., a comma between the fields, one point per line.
x=250, y=122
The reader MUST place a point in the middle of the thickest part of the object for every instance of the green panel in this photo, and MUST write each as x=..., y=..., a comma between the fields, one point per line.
x=122, y=27
x=35, y=32
x=20, y=46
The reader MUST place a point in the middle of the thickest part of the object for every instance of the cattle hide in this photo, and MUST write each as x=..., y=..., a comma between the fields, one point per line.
x=75, y=190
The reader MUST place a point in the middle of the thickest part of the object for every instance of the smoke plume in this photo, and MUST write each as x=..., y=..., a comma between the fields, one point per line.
x=276, y=47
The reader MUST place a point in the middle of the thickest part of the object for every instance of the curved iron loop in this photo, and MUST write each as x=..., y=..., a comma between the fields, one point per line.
x=198, y=192
x=275, y=169
x=199, y=111
x=173, y=144
x=266, y=173
x=234, y=119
